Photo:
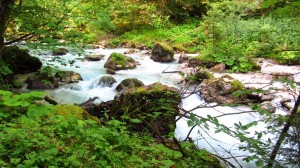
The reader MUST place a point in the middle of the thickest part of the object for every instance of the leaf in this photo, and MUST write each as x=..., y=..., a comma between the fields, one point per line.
x=135, y=120
x=190, y=123
x=5, y=93
x=193, y=117
x=217, y=131
x=259, y=163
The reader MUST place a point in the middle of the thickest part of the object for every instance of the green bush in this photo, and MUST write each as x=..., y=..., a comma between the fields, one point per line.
x=235, y=39
x=38, y=135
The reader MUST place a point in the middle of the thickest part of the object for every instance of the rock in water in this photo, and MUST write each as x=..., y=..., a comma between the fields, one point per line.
x=106, y=81
x=220, y=90
x=68, y=76
x=117, y=61
x=162, y=53
x=94, y=57
x=60, y=51
x=129, y=83
x=148, y=109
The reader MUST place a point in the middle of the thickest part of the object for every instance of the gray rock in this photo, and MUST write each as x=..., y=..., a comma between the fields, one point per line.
x=183, y=58
x=268, y=106
x=129, y=83
x=106, y=81
x=162, y=53
x=68, y=77
x=94, y=57
x=60, y=51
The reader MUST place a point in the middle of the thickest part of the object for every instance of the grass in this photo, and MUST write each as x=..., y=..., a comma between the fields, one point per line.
x=186, y=37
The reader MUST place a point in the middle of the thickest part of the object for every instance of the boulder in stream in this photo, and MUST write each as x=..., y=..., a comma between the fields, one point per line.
x=150, y=109
x=220, y=90
x=129, y=83
x=106, y=81
x=162, y=53
x=183, y=58
x=60, y=51
x=94, y=57
x=68, y=77
x=117, y=61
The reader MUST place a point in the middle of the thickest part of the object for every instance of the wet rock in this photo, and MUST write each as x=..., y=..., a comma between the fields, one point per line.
x=220, y=90
x=131, y=51
x=183, y=58
x=266, y=97
x=106, y=81
x=60, y=51
x=162, y=53
x=94, y=57
x=199, y=61
x=218, y=68
x=148, y=109
x=117, y=61
x=110, y=71
x=19, y=61
x=268, y=106
x=129, y=83
x=68, y=77
x=42, y=81
x=282, y=76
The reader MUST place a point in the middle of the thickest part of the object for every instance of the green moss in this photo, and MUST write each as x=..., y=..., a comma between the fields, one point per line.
x=166, y=48
x=236, y=85
x=202, y=58
x=120, y=59
x=73, y=111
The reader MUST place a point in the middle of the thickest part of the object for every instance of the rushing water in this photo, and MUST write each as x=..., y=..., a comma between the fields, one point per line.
x=149, y=72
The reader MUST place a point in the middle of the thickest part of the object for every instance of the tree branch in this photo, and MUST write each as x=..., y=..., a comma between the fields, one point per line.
x=283, y=133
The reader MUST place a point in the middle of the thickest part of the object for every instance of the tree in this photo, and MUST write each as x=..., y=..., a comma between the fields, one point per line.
x=5, y=8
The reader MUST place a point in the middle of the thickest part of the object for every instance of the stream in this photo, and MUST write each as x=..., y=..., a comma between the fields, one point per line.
x=149, y=72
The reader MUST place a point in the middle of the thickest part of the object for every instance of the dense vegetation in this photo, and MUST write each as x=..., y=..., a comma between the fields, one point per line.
x=233, y=32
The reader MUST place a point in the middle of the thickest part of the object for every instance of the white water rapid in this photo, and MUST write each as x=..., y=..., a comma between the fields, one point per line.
x=148, y=72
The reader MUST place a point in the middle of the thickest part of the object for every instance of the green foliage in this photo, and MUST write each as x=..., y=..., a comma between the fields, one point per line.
x=58, y=136
x=231, y=39
x=185, y=37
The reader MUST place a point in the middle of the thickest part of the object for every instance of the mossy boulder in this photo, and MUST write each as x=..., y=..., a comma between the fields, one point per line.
x=220, y=90
x=129, y=83
x=60, y=51
x=162, y=53
x=69, y=111
x=68, y=77
x=19, y=61
x=148, y=109
x=117, y=61
x=106, y=81
x=202, y=62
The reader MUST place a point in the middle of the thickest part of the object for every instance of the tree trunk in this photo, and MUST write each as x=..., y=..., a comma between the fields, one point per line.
x=5, y=8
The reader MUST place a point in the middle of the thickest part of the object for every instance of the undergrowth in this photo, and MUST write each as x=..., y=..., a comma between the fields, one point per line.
x=38, y=135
